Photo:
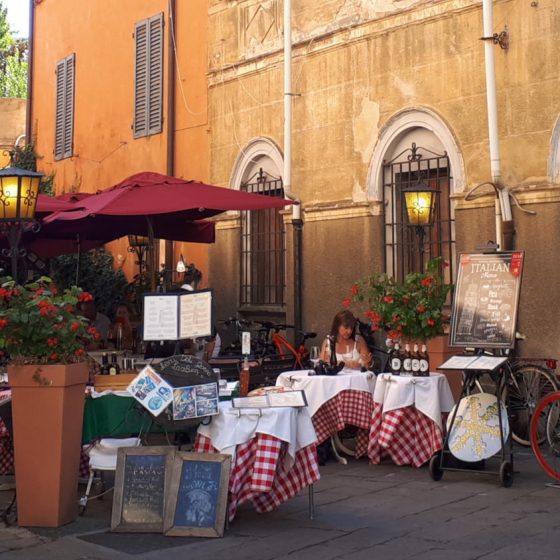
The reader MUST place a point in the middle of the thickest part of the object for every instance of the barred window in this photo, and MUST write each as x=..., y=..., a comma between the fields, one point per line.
x=263, y=248
x=408, y=248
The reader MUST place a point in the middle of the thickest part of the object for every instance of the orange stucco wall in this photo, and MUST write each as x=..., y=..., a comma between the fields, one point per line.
x=100, y=34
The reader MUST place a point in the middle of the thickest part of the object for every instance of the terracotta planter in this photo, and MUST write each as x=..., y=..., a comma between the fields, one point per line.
x=439, y=351
x=48, y=407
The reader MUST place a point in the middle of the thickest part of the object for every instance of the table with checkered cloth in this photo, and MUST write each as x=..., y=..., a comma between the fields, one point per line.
x=407, y=421
x=259, y=475
x=348, y=408
x=336, y=401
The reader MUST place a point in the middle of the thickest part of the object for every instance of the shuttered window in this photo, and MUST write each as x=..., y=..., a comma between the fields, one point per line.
x=64, y=129
x=148, y=76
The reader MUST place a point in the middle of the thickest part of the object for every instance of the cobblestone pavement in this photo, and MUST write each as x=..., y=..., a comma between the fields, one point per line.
x=362, y=512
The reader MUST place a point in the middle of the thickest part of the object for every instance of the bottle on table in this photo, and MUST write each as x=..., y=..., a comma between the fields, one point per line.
x=424, y=362
x=104, y=364
x=332, y=343
x=396, y=360
x=407, y=361
x=244, y=376
x=390, y=350
x=114, y=368
x=415, y=357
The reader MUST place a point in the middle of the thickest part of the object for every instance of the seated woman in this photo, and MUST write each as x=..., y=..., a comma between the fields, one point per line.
x=350, y=347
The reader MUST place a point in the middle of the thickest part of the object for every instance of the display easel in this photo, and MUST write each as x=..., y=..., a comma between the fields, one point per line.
x=483, y=319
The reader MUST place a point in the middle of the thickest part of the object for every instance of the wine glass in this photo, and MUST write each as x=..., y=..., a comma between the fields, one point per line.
x=314, y=355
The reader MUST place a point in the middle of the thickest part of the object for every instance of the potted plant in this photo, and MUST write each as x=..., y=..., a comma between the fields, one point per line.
x=413, y=309
x=44, y=341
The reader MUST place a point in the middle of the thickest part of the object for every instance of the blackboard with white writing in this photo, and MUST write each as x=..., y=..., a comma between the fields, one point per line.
x=140, y=486
x=486, y=300
x=196, y=503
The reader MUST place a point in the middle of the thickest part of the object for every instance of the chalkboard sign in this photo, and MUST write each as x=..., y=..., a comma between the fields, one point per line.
x=486, y=300
x=196, y=503
x=141, y=480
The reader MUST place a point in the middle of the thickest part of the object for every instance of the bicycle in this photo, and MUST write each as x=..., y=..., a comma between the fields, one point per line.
x=528, y=382
x=547, y=449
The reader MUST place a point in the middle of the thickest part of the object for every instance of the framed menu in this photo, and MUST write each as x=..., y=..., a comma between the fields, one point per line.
x=176, y=316
x=486, y=300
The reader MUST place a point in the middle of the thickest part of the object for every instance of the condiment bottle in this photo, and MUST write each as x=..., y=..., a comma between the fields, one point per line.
x=114, y=368
x=244, y=378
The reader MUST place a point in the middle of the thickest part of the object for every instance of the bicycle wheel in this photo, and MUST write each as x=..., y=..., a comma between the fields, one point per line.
x=528, y=384
x=547, y=450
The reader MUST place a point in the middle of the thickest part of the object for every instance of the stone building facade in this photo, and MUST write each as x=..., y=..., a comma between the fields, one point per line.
x=384, y=94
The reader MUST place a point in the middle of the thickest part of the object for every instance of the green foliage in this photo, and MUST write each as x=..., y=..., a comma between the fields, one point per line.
x=25, y=157
x=13, y=60
x=413, y=309
x=38, y=324
x=97, y=276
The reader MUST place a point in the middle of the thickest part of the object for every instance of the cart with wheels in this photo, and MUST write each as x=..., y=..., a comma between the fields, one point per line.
x=478, y=429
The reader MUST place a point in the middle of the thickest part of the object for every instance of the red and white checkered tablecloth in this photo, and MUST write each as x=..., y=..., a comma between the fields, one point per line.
x=258, y=474
x=354, y=408
x=406, y=435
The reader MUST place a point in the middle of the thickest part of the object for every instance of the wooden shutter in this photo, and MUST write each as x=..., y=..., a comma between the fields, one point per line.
x=64, y=126
x=148, y=76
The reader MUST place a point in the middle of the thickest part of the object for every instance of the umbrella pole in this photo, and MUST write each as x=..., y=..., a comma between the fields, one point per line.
x=78, y=259
x=151, y=253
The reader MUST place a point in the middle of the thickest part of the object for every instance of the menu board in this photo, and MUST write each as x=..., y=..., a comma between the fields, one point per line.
x=173, y=316
x=486, y=300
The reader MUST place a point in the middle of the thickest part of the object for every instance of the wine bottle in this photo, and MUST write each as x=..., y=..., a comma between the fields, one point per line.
x=390, y=350
x=396, y=360
x=407, y=361
x=415, y=357
x=104, y=364
x=114, y=368
x=332, y=342
x=244, y=378
x=424, y=362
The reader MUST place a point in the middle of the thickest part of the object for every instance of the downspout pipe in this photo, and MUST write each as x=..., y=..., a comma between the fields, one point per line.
x=504, y=223
x=31, y=49
x=170, y=156
x=297, y=222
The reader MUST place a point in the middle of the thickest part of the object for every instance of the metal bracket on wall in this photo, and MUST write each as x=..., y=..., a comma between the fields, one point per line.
x=501, y=39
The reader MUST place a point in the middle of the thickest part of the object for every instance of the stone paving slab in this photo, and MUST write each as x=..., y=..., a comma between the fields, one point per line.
x=362, y=512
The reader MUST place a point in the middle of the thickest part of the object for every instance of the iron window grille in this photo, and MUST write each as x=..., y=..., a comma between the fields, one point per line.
x=263, y=247
x=402, y=254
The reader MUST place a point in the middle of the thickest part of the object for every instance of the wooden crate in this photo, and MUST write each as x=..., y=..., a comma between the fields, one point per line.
x=113, y=382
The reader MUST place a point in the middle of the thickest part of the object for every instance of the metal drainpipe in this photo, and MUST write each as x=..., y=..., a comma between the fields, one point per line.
x=504, y=228
x=170, y=115
x=28, y=119
x=297, y=222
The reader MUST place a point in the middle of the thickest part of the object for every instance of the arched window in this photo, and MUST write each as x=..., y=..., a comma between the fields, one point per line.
x=416, y=146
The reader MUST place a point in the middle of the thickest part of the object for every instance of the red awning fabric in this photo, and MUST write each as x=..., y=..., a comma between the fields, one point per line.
x=150, y=194
x=48, y=204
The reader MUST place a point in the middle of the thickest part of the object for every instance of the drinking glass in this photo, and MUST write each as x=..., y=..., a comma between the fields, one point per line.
x=314, y=355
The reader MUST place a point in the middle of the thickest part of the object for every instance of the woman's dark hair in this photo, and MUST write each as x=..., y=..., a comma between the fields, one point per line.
x=345, y=318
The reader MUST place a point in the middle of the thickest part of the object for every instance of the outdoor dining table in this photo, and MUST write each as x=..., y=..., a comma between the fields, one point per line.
x=407, y=422
x=336, y=401
x=273, y=452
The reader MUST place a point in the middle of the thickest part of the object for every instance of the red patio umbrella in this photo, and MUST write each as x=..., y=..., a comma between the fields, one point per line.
x=153, y=194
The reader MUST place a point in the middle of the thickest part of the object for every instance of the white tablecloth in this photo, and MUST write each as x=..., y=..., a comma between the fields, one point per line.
x=321, y=388
x=233, y=427
x=430, y=395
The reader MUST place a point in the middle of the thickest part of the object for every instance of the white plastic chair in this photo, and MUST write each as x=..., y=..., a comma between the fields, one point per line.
x=103, y=457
